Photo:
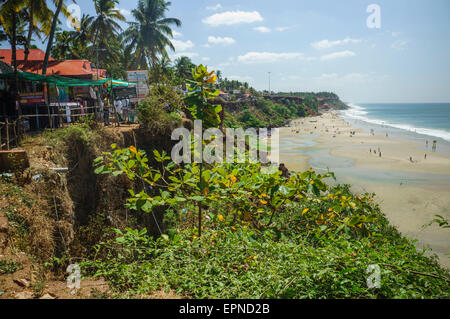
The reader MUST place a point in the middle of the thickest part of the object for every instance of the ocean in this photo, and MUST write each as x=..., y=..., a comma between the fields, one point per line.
x=430, y=120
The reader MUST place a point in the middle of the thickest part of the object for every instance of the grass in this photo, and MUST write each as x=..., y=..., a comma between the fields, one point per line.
x=9, y=267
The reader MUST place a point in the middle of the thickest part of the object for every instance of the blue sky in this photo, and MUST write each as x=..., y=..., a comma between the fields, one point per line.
x=320, y=45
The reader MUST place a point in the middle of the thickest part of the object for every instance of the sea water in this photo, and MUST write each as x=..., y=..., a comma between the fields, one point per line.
x=414, y=122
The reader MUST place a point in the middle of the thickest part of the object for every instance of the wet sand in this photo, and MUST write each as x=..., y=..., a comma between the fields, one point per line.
x=409, y=192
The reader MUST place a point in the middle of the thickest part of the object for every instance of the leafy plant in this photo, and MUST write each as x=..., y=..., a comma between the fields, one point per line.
x=9, y=267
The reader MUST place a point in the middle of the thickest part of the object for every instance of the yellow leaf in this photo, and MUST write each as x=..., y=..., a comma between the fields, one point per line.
x=210, y=73
x=133, y=149
x=233, y=228
x=212, y=79
x=233, y=178
x=305, y=211
x=263, y=202
x=263, y=195
x=220, y=217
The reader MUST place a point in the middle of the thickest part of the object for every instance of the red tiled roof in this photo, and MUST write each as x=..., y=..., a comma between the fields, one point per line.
x=64, y=68
x=34, y=55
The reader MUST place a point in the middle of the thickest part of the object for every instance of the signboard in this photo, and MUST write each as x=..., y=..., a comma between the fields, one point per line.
x=128, y=92
x=137, y=76
x=82, y=91
x=140, y=77
x=31, y=98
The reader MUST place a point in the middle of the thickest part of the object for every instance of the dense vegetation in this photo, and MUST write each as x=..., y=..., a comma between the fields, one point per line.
x=316, y=99
x=263, y=113
x=244, y=231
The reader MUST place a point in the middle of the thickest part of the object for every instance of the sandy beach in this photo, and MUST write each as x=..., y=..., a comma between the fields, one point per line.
x=410, y=187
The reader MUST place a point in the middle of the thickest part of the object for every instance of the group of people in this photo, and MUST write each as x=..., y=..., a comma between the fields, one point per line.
x=124, y=109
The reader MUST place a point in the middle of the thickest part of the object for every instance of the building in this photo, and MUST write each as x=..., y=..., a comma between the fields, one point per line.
x=80, y=69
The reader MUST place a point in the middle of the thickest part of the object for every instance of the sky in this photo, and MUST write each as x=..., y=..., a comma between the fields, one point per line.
x=364, y=51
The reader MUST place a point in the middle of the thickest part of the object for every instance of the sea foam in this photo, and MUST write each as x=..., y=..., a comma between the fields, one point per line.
x=358, y=112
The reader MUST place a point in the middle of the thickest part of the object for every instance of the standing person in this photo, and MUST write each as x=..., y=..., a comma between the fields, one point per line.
x=125, y=110
x=106, y=111
x=100, y=109
x=119, y=109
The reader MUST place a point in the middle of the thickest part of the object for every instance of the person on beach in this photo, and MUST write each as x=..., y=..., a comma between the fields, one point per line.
x=379, y=153
x=425, y=156
x=410, y=159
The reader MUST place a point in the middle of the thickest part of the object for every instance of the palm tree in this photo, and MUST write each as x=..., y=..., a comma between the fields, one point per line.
x=9, y=19
x=148, y=37
x=51, y=35
x=105, y=25
x=183, y=67
x=38, y=14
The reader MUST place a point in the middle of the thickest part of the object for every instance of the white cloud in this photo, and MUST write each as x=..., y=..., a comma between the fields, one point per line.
x=399, y=44
x=336, y=55
x=232, y=17
x=240, y=78
x=220, y=40
x=182, y=45
x=214, y=8
x=347, y=78
x=188, y=54
x=327, y=76
x=124, y=12
x=291, y=78
x=270, y=57
x=281, y=29
x=326, y=44
x=354, y=76
x=262, y=29
x=205, y=59
x=177, y=34
x=395, y=34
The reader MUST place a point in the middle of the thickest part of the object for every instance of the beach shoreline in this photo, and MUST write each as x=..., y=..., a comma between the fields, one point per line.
x=410, y=188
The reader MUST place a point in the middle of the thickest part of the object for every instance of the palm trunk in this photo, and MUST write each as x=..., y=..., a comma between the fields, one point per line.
x=14, y=61
x=30, y=32
x=50, y=37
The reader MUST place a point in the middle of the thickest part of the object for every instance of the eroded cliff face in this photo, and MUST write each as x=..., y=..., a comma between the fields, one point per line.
x=65, y=213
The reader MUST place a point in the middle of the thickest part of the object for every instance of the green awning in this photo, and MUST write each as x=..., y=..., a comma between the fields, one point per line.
x=55, y=79
x=116, y=83
x=65, y=81
x=28, y=76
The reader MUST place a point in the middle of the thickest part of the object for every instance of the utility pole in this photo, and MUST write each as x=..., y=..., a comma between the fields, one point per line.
x=269, y=83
